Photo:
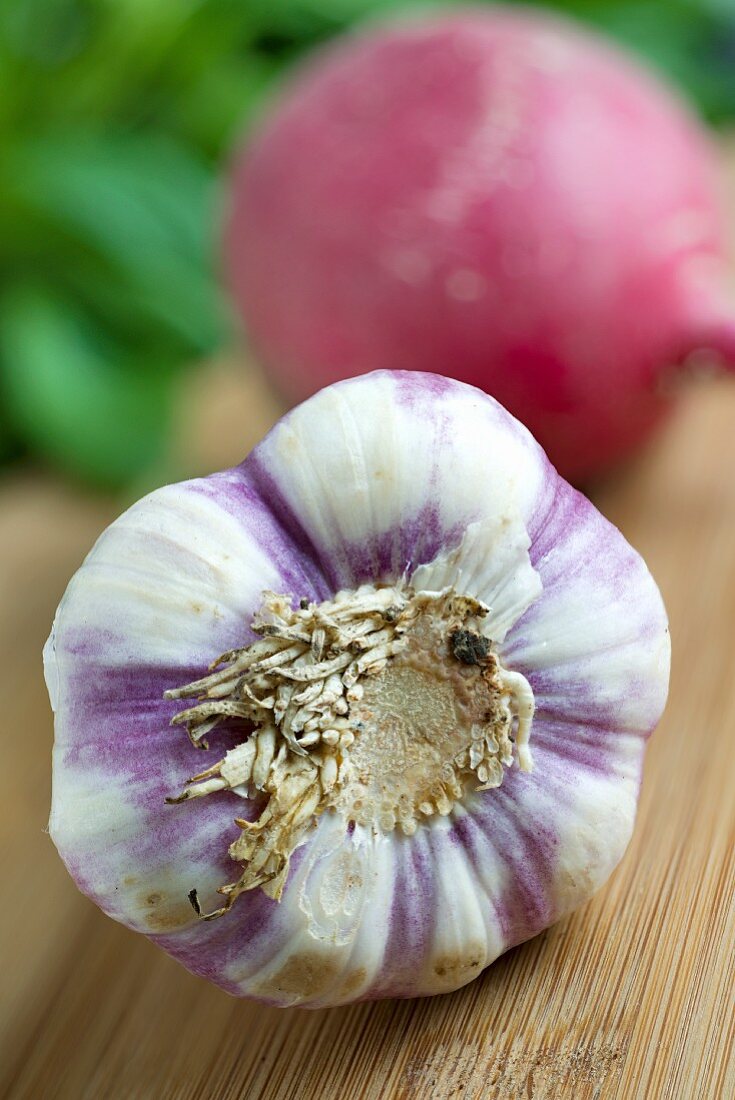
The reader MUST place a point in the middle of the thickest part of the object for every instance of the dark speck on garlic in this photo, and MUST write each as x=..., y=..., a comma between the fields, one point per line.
x=416, y=705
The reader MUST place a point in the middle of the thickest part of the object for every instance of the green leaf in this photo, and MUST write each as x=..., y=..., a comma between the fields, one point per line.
x=143, y=206
x=69, y=400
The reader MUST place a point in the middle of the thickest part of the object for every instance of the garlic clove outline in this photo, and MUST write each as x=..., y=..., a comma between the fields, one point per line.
x=382, y=478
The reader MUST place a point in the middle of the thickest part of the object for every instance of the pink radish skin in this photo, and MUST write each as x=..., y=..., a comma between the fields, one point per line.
x=494, y=195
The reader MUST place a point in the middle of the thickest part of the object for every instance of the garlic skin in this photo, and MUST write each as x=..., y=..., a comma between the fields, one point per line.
x=380, y=480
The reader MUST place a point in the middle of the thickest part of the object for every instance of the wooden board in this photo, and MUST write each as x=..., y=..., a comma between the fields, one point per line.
x=631, y=997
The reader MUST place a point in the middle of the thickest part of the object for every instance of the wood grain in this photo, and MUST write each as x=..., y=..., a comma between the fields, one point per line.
x=632, y=997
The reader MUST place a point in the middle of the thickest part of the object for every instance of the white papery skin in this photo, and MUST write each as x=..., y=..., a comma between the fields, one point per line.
x=379, y=478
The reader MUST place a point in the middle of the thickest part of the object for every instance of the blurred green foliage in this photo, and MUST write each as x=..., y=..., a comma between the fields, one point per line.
x=115, y=118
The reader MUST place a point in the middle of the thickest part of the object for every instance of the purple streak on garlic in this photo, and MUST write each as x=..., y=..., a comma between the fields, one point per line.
x=428, y=748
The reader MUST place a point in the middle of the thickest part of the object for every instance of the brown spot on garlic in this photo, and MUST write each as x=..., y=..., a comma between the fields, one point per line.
x=350, y=984
x=163, y=913
x=301, y=976
x=468, y=647
x=461, y=967
x=384, y=705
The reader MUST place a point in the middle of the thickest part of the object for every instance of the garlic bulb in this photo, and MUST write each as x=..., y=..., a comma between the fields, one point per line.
x=417, y=672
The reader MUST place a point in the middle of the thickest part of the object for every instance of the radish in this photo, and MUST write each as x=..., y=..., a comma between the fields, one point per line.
x=496, y=195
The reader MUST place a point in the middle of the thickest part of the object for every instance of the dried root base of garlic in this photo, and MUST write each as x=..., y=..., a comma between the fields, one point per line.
x=384, y=705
